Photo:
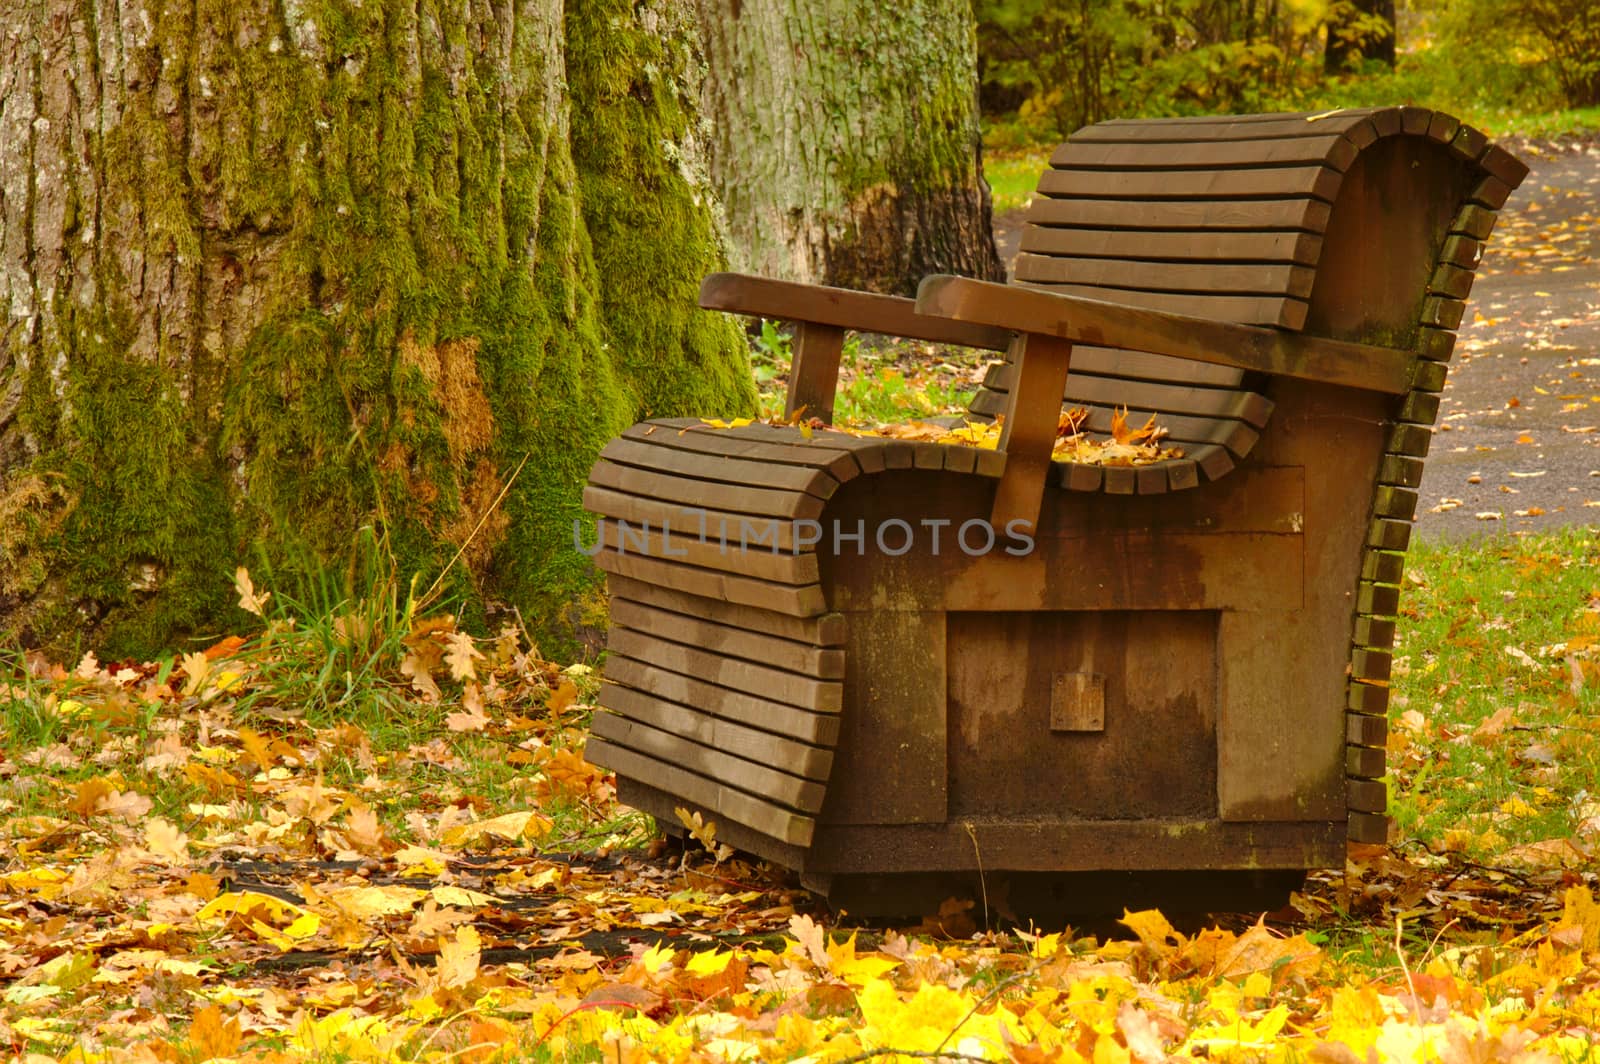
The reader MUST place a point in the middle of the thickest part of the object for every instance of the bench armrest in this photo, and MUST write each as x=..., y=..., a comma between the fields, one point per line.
x=1093, y=321
x=824, y=315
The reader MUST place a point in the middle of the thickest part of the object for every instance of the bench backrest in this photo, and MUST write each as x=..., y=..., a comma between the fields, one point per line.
x=1359, y=225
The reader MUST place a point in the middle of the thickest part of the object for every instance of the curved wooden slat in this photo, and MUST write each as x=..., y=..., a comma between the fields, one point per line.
x=1289, y=246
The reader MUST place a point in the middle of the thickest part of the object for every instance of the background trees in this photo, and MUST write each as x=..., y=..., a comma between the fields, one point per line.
x=1050, y=66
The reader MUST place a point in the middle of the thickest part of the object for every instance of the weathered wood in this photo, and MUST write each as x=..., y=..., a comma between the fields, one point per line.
x=1127, y=365
x=765, y=748
x=826, y=630
x=1365, y=730
x=1401, y=470
x=1077, y=477
x=806, y=692
x=891, y=766
x=1370, y=828
x=1378, y=600
x=1097, y=322
x=1120, y=480
x=1414, y=120
x=1307, y=215
x=1412, y=440
x=643, y=454
x=1397, y=504
x=1373, y=632
x=733, y=498
x=814, y=371
x=1469, y=143
x=1176, y=245
x=1224, y=403
x=751, y=550
x=1368, y=796
x=1033, y=408
x=1249, y=310
x=1318, y=182
x=760, y=780
x=1154, y=675
x=1383, y=567
x=1442, y=127
x=732, y=641
x=1450, y=280
x=1504, y=165
x=996, y=707
x=1371, y=665
x=1491, y=192
x=1436, y=344
x=1061, y=845
x=797, y=601
x=1175, y=131
x=816, y=729
x=818, y=452
x=1182, y=473
x=1361, y=762
x=1150, y=479
x=1327, y=150
x=1366, y=698
x=713, y=525
x=1474, y=221
x=1145, y=275
x=740, y=293
x=664, y=807
x=1385, y=534
x=1428, y=376
x=1420, y=407
x=761, y=814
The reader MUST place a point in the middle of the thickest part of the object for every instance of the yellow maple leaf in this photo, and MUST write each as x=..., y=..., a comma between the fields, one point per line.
x=459, y=958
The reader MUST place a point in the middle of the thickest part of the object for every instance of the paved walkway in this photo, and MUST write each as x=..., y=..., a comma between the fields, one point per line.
x=1518, y=446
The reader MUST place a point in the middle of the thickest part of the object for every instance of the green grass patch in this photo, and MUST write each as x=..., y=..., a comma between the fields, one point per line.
x=880, y=379
x=1013, y=175
x=1495, y=742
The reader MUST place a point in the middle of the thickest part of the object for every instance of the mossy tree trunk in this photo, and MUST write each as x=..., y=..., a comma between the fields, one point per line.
x=844, y=139
x=270, y=272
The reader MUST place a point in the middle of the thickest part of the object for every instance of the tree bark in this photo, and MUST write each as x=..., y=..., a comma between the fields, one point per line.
x=272, y=271
x=844, y=139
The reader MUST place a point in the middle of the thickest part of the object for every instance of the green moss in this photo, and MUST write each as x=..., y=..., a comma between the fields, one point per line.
x=648, y=224
x=442, y=298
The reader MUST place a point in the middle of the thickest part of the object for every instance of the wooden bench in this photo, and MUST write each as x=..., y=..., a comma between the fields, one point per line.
x=1188, y=673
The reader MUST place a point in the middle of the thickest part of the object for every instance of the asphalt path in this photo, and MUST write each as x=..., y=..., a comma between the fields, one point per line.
x=1518, y=441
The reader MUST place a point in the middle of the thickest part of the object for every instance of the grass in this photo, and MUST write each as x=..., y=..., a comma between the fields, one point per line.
x=880, y=379
x=1479, y=808
x=1013, y=174
x=1496, y=694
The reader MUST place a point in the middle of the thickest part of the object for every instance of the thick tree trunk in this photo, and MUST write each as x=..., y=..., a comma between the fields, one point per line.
x=844, y=139
x=272, y=271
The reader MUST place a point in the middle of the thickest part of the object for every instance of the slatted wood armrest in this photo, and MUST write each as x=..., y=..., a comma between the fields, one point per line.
x=1092, y=321
x=823, y=315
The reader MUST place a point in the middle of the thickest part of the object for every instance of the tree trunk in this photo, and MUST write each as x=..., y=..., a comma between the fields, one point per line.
x=1359, y=29
x=844, y=139
x=270, y=272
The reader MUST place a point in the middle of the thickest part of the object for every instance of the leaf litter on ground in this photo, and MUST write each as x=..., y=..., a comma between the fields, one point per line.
x=195, y=869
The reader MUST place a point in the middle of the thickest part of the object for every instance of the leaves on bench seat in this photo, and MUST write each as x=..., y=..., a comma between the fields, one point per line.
x=1127, y=445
